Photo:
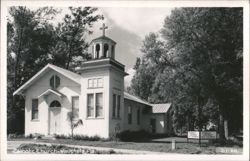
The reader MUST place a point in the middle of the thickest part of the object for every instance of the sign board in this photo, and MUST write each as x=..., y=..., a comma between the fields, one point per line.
x=208, y=135
x=193, y=134
x=204, y=135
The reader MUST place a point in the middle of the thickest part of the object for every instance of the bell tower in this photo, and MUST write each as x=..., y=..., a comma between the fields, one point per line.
x=103, y=47
x=103, y=76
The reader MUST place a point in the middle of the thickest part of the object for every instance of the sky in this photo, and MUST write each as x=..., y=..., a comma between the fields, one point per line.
x=128, y=27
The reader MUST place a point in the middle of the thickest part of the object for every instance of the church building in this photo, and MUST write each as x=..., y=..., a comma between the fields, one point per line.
x=94, y=94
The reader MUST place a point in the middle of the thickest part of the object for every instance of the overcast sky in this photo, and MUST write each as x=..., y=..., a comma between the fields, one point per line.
x=128, y=27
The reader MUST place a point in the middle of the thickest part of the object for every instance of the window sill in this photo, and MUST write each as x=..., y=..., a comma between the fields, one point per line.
x=94, y=87
x=94, y=118
x=35, y=120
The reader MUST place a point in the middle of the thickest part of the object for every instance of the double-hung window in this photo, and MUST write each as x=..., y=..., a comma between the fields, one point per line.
x=138, y=116
x=75, y=107
x=34, y=109
x=99, y=105
x=129, y=115
x=90, y=104
x=95, y=105
x=116, y=106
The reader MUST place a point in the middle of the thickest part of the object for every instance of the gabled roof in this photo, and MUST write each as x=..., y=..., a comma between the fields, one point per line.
x=160, y=108
x=52, y=91
x=136, y=99
x=71, y=75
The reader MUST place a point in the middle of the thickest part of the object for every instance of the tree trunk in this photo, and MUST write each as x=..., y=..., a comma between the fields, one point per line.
x=226, y=129
x=221, y=128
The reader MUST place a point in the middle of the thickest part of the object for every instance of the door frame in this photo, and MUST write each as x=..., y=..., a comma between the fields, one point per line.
x=50, y=110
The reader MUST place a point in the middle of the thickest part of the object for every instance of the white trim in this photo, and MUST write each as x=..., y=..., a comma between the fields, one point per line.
x=52, y=91
x=39, y=73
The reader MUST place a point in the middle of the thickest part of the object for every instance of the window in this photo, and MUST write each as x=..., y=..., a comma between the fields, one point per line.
x=90, y=83
x=54, y=81
x=55, y=104
x=95, y=105
x=114, y=105
x=129, y=115
x=95, y=83
x=99, y=82
x=118, y=106
x=99, y=105
x=75, y=107
x=34, y=109
x=138, y=116
x=90, y=104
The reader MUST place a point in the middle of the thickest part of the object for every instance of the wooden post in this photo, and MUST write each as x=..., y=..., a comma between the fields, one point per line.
x=173, y=144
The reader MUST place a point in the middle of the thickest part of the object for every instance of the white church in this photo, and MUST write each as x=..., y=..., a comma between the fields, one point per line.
x=95, y=94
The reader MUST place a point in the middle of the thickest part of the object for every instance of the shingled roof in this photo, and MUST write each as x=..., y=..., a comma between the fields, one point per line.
x=161, y=108
x=136, y=99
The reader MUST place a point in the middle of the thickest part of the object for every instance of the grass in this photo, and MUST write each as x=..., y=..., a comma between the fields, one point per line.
x=155, y=146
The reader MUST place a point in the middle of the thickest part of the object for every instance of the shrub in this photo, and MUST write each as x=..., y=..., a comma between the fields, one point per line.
x=133, y=135
x=15, y=136
x=82, y=137
x=62, y=136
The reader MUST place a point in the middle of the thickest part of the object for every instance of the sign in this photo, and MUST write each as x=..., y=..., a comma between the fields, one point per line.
x=208, y=135
x=193, y=134
x=204, y=135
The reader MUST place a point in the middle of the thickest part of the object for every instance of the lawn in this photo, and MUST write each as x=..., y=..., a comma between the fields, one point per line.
x=152, y=145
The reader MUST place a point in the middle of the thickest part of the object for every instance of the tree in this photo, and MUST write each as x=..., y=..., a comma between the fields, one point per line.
x=211, y=39
x=197, y=66
x=33, y=42
x=71, y=47
x=73, y=123
x=29, y=39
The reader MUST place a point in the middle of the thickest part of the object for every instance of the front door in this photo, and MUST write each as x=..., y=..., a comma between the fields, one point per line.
x=153, y=125
x=54, y=123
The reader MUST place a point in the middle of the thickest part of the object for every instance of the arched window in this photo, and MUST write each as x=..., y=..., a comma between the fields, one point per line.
x=97, y=49
x=106, y=48
x=55, y=104
x=54, y=81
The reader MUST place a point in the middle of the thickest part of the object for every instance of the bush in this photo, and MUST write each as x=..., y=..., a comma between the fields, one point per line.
x=133, y=135
x=61, y=136
x=82, y=137
x=15, y=136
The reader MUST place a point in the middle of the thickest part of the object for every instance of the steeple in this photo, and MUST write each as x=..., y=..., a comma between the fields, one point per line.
x=103, y=46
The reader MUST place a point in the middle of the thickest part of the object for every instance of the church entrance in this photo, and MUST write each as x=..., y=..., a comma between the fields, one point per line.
x=54, y=115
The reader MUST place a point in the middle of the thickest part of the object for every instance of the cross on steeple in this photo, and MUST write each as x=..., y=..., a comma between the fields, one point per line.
x=103, y=29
